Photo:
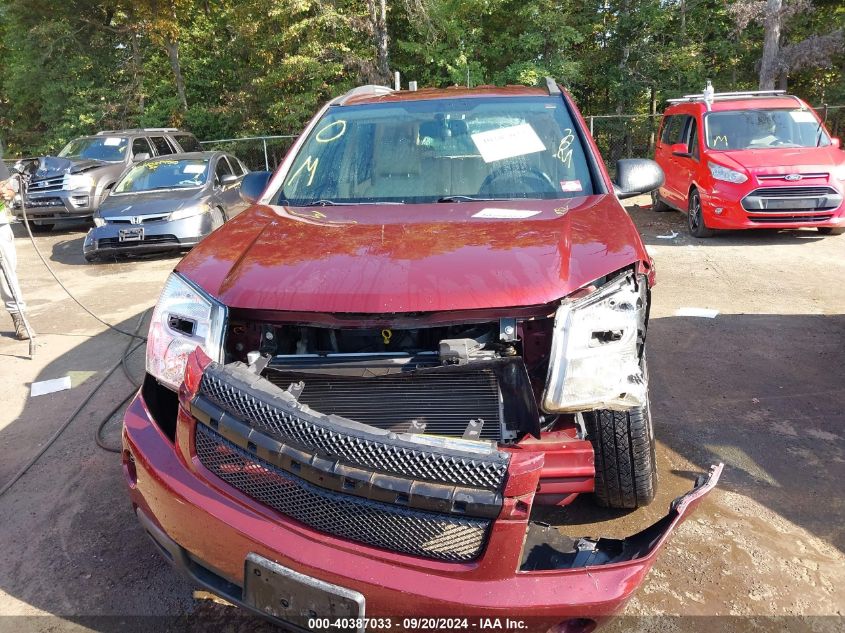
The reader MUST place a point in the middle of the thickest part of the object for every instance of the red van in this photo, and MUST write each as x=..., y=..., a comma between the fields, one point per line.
x=366, y=393
x=750, y=160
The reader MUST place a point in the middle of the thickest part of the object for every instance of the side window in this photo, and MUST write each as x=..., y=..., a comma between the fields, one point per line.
x=692, y=146
x=669, y=130
x=141, y=146
x=189, y=143
x=237, y=166
x=221, y=170
x=161, y=145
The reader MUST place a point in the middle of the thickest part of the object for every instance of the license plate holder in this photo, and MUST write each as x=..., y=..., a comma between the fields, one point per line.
x=131, y=235
x=785, y=204
x=296, y=598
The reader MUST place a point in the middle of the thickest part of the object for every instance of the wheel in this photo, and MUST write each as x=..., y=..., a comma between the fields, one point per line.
x=218, y=218
x=626, y=468
x=657, y=204
x=90, y=257
x=829, y=230
x=695, y=217
x=41, y=228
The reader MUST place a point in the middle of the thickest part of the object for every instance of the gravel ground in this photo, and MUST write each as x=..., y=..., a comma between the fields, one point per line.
x=759, y=387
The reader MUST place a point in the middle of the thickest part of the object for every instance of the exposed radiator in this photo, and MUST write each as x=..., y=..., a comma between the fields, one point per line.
x=444, y=402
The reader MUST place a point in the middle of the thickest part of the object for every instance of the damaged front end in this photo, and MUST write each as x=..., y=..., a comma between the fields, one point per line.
x=415, y=441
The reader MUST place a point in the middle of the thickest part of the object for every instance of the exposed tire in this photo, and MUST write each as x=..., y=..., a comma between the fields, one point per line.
x=695, y=217
x=626, y=469
x=218, y=218
x=41, y=228
x=657, y=204
x=829, y=230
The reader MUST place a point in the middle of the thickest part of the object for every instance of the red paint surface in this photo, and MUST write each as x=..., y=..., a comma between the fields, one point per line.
x=412, y=258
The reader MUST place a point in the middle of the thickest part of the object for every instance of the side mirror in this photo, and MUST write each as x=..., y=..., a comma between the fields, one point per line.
x=835, y=142
x=253, y=185
x=680, y=149
x=228, y=179
x=140, y=156
x=636, y=176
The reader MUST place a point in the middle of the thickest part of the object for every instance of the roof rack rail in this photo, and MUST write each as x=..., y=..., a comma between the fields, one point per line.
x=137, y=130
x=724, y=96
x=369, y=90
x=551, y=86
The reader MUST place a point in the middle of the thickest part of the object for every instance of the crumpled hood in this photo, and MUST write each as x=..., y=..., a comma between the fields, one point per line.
x=413, y=258
x=784, y=161
x=149, y=203
x=52, y=166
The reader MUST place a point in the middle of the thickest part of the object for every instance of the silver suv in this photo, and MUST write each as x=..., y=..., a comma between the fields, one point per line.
x=73, y=184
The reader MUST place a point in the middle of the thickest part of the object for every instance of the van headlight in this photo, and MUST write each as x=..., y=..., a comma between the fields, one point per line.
x=720, y=172
x=184, y=318
x=595, y=355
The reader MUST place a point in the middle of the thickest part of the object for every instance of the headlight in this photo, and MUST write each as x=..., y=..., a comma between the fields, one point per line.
x=184, y=318
x=595, y=360
x=98, y=221
x=188, y=212
x=78, y=181
x=720, y=172
x=839, y=172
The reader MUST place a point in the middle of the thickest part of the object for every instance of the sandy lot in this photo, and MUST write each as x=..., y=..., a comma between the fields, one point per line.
x=760, y=387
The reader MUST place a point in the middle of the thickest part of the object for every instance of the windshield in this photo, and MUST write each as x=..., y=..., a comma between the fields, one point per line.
x=443, y=149
x=764, y=129
x=164, y=174
x=107, y=148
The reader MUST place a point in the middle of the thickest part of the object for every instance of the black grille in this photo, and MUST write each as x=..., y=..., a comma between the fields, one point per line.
x=790, y=218
x=445, y=403
x=426, y=534
x=792, y=192
x=39, y=203
x=486, y=472
x=149, y=240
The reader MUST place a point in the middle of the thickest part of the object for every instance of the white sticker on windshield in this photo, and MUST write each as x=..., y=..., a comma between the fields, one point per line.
x=507, y=142
x=505, y=214
x=194, y=169
x=802, y=116
x=113, y=141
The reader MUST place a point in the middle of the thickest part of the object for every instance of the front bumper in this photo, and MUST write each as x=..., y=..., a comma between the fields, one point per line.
x=159, y=236
x=723, y=208
x=208, y=528
x=58, y=205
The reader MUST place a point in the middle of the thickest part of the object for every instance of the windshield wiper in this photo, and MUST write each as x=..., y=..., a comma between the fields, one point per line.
x=467, y=199
x=332, y=203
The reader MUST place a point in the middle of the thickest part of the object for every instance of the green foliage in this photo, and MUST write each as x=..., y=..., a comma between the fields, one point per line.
x=72, y=67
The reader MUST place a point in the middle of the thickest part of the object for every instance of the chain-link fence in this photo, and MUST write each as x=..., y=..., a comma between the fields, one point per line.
x=258, y=152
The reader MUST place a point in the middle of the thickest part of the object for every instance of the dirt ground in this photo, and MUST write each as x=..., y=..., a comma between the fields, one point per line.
x=761, y=387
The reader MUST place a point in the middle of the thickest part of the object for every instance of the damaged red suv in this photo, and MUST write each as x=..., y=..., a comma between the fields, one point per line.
x=430, y=323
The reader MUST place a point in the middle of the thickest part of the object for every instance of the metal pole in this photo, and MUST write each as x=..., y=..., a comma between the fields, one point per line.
x=591, y=128
x=266, y=159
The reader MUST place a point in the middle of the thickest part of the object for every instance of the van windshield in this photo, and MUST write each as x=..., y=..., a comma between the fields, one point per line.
x=440, y=150
x=764, y=129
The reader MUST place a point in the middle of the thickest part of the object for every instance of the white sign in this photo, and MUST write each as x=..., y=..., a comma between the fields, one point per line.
x=802, y=116
x=194, y=169
x=505, y=214
x=507, y=142
x=113, y=141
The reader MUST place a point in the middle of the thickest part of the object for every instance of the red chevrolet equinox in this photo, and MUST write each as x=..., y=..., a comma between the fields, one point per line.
x=430, y=324
x=758, y=160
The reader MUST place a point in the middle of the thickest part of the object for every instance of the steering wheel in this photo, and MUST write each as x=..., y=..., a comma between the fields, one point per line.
x=509, y=179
